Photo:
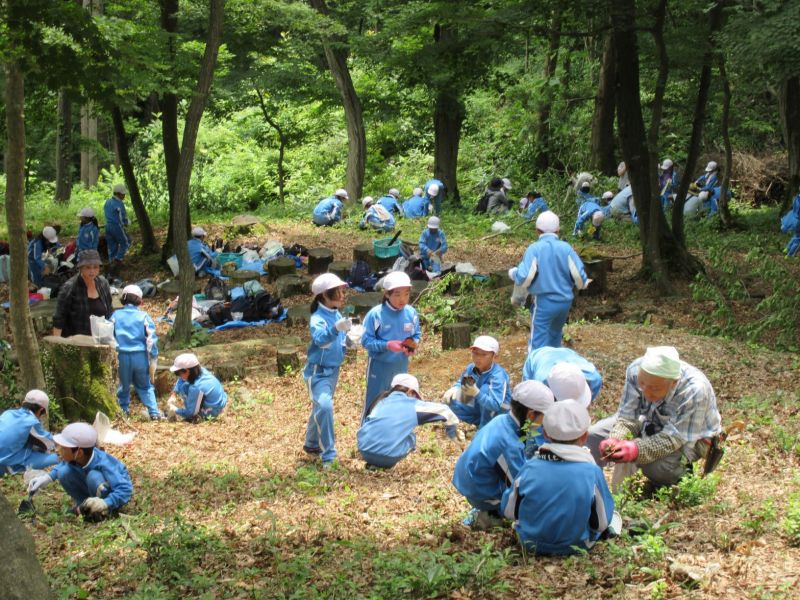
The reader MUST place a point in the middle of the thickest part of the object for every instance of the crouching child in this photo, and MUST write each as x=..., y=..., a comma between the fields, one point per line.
x=202, y=393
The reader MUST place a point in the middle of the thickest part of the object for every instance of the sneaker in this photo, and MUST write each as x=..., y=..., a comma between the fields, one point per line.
x=481, y=520
x=159, y=416
x=370, y=467
x=311, y=450
x=327, y=465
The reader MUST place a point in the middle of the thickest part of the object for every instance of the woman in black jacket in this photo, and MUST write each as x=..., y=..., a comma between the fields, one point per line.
x=87, y=293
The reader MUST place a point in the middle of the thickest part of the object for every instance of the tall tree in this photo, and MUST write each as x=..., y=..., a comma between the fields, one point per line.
x=603, y=116
x=64, y=148
x=89, y=143
x=545, y=102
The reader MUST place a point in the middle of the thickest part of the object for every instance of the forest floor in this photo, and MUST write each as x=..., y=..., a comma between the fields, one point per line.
x=234, y=509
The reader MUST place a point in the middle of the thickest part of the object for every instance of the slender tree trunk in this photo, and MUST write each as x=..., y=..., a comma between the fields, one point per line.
x=149, y=244
x=64, y=149
x=89, y=161
x=30, y=367
x=724, y=207
x=715, y=21
x=282, y=144
x=543, y=143
x=448, y=117
x=183, y=320
x=661, y=81
x=789, y=106
x=356, y=134
x=603, y=118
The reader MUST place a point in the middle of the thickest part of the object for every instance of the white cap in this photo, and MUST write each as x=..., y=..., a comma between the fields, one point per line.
x=703, y=196
x=198, y=232
x=86, y=212
x=667, y=164
x=394, y=192
x=566, y=421
x=548, y=222
x=586, y=185
x=37, y=397
x=534, y=395
x=608, y=195
x=133, y=290
x=621, y=168
x=433, y=222
x=325, y=282
x=598, y=217
x=366, y=201
x=711, y=166
x=506, y=183
x=407, y=381
x=120, y=189
x=396, y=279
x=568, y=382
x=184, y=361
x=418, y=191
x=487, y=343
x=662, y=361
x=433, y=189
x=50, y=234
x=77, y=435
x=341, y=192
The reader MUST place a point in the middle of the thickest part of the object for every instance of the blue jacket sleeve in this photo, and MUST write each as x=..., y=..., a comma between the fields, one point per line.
x=493, y=393
x=192, y=402
x=369, y=340
x=121, y=487
x=423, y=247
x=152, y=336
x=322, y=334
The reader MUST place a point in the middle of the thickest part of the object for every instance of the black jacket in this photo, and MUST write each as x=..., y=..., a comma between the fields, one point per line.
x=72, y=311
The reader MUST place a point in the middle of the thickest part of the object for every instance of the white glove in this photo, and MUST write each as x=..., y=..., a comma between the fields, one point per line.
x=343, y=324
x=38, y=483
x=454, y=393
x=460, y=436
x=95, y=507
x=172, y=412
x=512, y=273
x=430, y=207
x=470, y=391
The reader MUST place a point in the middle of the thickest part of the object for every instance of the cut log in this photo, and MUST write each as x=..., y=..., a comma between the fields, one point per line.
x=597, y=271
x=21, y=575
x=298, y=315
x=245, y=221
x=292, y=285
x=283, y=265
x=242, y=276
x=288, y=360
x=456, y=335
x=381, y=264
x=363, y=302
x=81, y=376
x=318, y=260
x=601, y=311
x=341, y=268
x=362, y=252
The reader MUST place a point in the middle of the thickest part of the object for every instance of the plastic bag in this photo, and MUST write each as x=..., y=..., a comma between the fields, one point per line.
x=102, y=330
x=172, y=263
x=467, y=268
x=500, y=227
x=107, y=435
x=271, y=249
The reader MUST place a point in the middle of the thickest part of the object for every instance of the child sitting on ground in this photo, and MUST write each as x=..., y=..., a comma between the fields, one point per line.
x=201, y=392
x=24, y=443
x=376, y=216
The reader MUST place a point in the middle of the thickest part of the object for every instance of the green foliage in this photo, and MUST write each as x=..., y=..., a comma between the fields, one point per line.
x=10, y=393
x=692, y=490
x=791, y=522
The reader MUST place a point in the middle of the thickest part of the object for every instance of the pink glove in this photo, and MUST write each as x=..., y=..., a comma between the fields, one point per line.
x=620, y=451
x=395, y=346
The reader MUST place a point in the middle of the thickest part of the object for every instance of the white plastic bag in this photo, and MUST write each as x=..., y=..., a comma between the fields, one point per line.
x=172, y=263
x=467, y=268
x=271, y=249
x=102, y=330
x=500, y=227
x=250, y=256
x=107, y=435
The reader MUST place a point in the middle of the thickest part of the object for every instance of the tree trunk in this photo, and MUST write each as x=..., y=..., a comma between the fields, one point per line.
x=64, y=149
x=21, y=575
x=715, y=21
x=318, y=260
x=149, y=244
x=282, y=144
x=183, y=320
x=661, y=81
x=356, y=134
x=456, y=335
x=448, y=117
x=724, y=207
x=542, y=161
x=789, y=106
x=89, y=161
x=283, y=265
x=30, y=368
x=603, y=118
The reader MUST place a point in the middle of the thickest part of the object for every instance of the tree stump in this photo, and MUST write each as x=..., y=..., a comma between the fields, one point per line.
x=341, y=268
x=318, y=260
x=456, y=335
x=81, y=376
x=242, y=276
x=362, y=303
x=288, y=360
x=283, y=265
x=381, y=264
x=298, y=315
x=597, y=271
x=21, y=575
x=362, y=252
x=292, y=285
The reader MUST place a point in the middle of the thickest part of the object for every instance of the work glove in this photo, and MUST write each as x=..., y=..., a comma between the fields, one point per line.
x=620, y=451
x=94, y=507
x=343, y=324
x=430, y=208
x=38, y=483
x=396, y=346
x=470, y=391
x=512, y=273
x=454, y=393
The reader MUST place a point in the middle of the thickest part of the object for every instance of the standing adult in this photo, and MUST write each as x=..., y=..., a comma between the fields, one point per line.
x=85, y=294
x=116, y=221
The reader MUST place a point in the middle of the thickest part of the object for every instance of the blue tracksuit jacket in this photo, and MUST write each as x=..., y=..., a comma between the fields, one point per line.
x=328, y=211
x=387, y=435
x=16, y=452
x=490, y=463
x=550, y=267
x=415, y=207
x=494, y=396
x=205, y=397
x=558, y=504
x=790, y=223
x=539, y=363
x=373, y=217
x=327, y=345
x=585, y=212
x=37, y=249
x=137, y=345
x=116, y=220
x=534, y=208
x=391, y=204
x=135, y=331
x=202, y=256
x=101, y=468
x=435, y=241
x=88, y=237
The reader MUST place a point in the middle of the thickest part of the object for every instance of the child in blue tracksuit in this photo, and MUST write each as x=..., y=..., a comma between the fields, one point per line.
x=667, y=182
x=391, y=335
x=483, y=390
x=432, y=246
x=329, y=210
x=707, y=193
x=790, y=223
x=416, y=206
x=97, y=482
x=137, y=346
x=38, y=249
x=550, y=268
x=201, y=392
x=88, y=232
x=434, y=194
x=203, y=258
x=116, y=221
x=540, y=364
x=589, y=211
x=533, y=204
x=24, y=443
x=387, y=435
x=325, y=356
x=560, y=502
x=496, y=454
x=391, y=201
x=376, y=216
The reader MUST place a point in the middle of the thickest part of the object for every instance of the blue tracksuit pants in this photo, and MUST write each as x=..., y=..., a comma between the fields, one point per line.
x=117, y=242
x=81, y=484
x=28, y=457
x=547, y=322
x=134, y=369
x=379, y=379
x=321, y=382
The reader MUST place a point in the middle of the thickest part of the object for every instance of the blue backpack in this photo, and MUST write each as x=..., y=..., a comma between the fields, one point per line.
x=359, y=273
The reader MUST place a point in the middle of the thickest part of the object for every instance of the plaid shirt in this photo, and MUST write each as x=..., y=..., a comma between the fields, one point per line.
x=72, y=310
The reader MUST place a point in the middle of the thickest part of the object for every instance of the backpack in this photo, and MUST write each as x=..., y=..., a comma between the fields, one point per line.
x=147, y=286
x=297, y=250
x=252, y=287
x=216, y=289
x=483, y=204
x=358, y=273
x=5, y=267
x=219, y=314
x=267, y=307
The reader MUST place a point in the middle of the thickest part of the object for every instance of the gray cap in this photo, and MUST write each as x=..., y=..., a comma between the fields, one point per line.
x=89, y=258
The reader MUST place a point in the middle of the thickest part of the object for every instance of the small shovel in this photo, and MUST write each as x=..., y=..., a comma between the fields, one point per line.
x=26, y=507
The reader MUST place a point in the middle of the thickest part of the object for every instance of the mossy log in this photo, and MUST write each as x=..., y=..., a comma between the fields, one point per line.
x=81, y=376
x=283, y=265
x=362, y=252
x=597, y=271
x=21, y=575
x=341, y=268
x=298, y=315
x=292, y=285
x=242, y=276
x=362, y=303
x=288, y=360
x=318, y=260
x=456, y=335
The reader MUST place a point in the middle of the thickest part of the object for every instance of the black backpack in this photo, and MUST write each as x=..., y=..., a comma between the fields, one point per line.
x=219, y=314
x=483, y=204
x=261, y=307
x=358, y=273
x=216, y=289
x=297, y=250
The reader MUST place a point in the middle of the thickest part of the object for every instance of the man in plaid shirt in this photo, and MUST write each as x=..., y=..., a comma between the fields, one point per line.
x=665, y=421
